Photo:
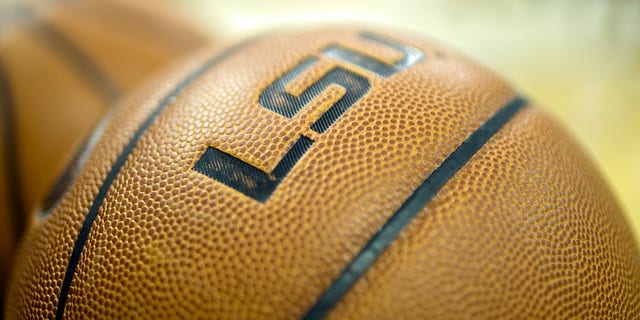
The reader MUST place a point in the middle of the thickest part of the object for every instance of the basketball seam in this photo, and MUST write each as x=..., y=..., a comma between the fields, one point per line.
x=12, y=166
x=414, y=204
x=83, y=233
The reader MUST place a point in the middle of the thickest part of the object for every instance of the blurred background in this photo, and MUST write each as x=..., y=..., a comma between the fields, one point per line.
x=578, y=59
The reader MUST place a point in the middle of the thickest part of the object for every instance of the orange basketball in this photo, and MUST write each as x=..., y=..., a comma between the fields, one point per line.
x=339, y=173
x=61, y=67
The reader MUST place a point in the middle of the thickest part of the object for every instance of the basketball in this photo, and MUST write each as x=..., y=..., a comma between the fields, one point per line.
x=333, y=173
x=61, y=66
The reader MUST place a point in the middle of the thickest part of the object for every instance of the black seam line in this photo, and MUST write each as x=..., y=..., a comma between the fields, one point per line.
x=12, y=165
x=79, y=60
x=410, y=208
x=120, y=161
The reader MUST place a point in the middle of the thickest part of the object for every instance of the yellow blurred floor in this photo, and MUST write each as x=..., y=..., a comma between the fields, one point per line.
x=579, y=59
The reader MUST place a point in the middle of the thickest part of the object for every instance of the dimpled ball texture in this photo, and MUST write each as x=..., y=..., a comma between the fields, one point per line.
x=339, y=173
x=62, y=65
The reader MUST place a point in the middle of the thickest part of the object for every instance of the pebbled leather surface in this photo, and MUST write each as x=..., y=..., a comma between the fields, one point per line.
x=525, y=229
x=65, y=64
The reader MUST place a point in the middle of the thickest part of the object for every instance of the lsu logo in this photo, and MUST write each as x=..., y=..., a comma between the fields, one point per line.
x=259, y=185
